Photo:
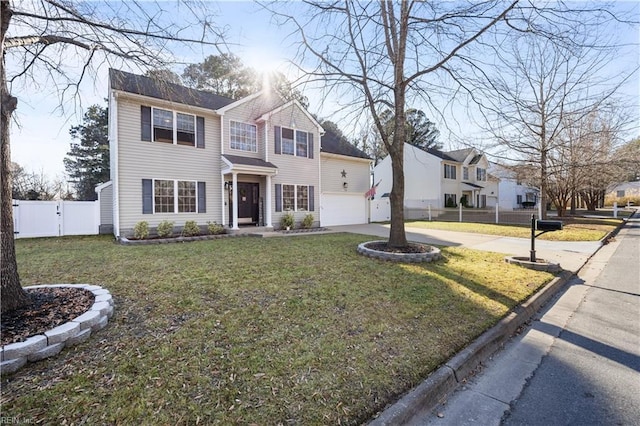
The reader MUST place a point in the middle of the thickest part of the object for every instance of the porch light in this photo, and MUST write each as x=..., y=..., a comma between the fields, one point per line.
x=345, y=185
x=228, y=186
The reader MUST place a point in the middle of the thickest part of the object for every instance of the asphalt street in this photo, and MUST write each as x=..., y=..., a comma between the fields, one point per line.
x=578, y=363
x=591, y=376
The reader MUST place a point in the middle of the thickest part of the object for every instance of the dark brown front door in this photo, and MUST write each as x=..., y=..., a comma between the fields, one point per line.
x=248, y=195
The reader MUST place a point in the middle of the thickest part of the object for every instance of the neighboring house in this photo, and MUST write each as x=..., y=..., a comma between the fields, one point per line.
x=180, y=154
x=623, y=193
x=441, y=179
x=514, y=192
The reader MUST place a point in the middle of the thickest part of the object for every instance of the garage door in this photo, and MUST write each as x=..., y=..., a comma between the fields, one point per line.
x=343, y=209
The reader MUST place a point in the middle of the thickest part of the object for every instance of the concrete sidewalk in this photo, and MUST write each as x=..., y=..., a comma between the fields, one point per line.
x=569, y=254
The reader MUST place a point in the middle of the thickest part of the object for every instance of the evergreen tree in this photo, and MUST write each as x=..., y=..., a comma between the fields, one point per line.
x=87, y=163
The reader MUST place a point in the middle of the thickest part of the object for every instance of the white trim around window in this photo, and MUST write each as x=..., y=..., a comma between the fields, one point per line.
x=243, y=136
x=295, y=198
x=173, y=127
x=175, y=196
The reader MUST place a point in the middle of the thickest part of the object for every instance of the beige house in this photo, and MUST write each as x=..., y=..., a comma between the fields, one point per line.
x=180, y=154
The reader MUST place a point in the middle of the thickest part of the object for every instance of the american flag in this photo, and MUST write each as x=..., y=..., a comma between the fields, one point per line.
x=372, y=192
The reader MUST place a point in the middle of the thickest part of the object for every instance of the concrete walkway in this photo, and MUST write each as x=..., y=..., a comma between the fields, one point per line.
x=569, y=254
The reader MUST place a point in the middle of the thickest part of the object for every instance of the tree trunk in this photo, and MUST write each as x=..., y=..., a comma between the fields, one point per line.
x=397, y=235
x=13, y=296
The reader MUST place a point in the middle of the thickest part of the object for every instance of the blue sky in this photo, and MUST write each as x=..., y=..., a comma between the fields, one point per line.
x=40, y=135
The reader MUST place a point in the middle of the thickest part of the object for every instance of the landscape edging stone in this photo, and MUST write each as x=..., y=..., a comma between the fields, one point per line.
x=35, y=348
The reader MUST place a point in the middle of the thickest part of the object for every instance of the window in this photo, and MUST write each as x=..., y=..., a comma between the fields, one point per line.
x=243, y=136
x=186, y=129
x=465, y=173
x=449, y=171
x=162, y=125
x=287, y=141
x=302, y=198
x=171, y=196
x=620, y=194
x=518, y=199
x=481, y=174
x=301, y=144
x=293, y=142
x=288, y=197
x=163, y=199
x=450, y=200
x=186, y=197
x=294, y=198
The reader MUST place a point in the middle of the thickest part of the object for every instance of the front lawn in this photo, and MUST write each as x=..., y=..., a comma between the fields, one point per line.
x=247, y=330
x=574, y=229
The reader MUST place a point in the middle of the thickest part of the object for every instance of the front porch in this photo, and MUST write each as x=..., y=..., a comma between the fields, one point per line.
x=247, y=194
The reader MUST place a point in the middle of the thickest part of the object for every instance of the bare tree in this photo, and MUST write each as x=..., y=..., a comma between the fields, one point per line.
x=381, y=54
x=62, y=42
x=541, y=86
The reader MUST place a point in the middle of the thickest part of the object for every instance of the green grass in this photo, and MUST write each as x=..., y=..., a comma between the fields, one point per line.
x=574, y=229
x=246, y=330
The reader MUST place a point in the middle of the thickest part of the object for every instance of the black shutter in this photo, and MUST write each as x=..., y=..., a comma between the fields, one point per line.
x=202, y=197
x=200, y=133
x=311, y=199
x=278, y=197
x=277, y=142
x=147, y=196
x=310, y=149
x=145, y=119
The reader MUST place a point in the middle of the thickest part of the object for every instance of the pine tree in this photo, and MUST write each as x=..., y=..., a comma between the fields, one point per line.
x=87, y=163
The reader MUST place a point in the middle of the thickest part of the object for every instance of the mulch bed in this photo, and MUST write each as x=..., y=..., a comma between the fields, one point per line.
x=411, y=248
x=50, y=307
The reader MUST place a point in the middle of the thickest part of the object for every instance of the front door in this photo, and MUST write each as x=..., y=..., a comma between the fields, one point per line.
x=248, y=195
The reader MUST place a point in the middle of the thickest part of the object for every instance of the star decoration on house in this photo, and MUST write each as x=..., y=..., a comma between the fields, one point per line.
x=343, y=173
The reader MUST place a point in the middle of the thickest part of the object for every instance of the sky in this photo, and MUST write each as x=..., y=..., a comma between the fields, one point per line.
x=40, y=131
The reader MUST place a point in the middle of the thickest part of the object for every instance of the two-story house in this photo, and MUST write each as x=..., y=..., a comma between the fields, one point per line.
x=180, y=154
x=441, y=179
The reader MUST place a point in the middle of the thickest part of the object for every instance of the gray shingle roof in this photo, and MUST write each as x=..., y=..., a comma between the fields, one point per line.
x=333, y=144
x=248, y=161
x=158, y=89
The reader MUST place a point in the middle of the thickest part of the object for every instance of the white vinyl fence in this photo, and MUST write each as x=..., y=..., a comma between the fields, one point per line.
x=55, y=218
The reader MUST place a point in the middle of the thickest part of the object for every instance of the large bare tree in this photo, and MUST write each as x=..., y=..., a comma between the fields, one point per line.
x=62, y=43
x=539, y=86
x=380, y=55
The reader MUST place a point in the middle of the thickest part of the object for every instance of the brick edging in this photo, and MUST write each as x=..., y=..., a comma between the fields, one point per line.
x=445, y=379
x=35, y=348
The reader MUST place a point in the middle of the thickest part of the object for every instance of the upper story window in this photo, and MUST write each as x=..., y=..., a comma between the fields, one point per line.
x=293, y=142
x=243, y=136
x=177, y=128
x=481, y=174
x=449, y=171
x=287, y=141
x=465, y=173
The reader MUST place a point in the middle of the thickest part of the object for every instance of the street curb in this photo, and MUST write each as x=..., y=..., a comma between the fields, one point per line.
x=444, y=380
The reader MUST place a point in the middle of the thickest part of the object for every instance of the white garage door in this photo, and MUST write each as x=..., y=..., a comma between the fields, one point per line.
x=343, y=209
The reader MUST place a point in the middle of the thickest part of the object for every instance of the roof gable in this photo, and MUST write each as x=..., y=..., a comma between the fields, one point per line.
x=153, y=88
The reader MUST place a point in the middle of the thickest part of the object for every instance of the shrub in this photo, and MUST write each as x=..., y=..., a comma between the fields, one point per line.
x=307, y=222
x=141, y=230
x=214, y=228
x=287, y=220
x=190, y=229
x=165, y=229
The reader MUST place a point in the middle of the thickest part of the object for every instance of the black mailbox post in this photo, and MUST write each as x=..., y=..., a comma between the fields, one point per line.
x=543, y=226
